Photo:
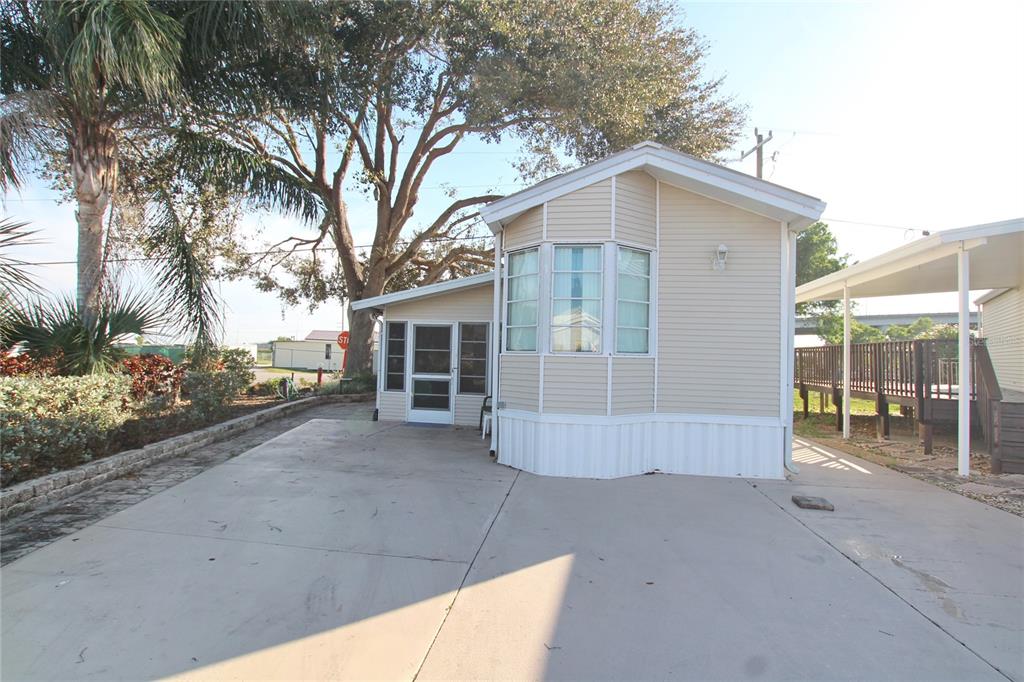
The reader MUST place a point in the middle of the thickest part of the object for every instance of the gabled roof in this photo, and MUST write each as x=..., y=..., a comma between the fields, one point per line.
x=445, y=287
x=928, y=265
x=675, y=168
x=322, y=335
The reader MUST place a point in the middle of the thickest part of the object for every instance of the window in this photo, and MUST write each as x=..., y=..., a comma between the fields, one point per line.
x=576, y=300
x=327, y=351
x=633, y=319
x=395, y=365
x=521, y=322
x=473, y=359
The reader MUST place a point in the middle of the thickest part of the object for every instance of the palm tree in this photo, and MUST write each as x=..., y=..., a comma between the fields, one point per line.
x=77, y=75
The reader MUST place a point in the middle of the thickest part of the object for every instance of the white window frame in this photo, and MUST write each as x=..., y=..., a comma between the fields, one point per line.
x=505, y=327
x=553, y=272
x=651, y=293
x=487, y=360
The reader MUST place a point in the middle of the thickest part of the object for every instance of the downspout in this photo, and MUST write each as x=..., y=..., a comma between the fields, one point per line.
x=789, y=237
x=381, y=340
x=496, y=335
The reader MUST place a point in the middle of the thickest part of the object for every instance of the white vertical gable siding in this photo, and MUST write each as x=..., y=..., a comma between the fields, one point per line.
x=524, y=230
x=634, y=208
x=719, y=333
x=392, y=406
x=464, y=305
x=584, y=215
x=575, y=384
x=1002, y=321
x=520, y=382
x=632, y=385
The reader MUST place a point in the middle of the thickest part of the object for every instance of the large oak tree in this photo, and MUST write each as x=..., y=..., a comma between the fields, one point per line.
x=356, y=99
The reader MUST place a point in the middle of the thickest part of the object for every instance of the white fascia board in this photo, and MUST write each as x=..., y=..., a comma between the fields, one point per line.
x=995, y=293
x=425, y=291
x=1000, y=228
x=912, y=255
x=702, y=177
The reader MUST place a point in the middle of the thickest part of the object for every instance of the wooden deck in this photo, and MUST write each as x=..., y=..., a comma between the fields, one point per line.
x=922, y=377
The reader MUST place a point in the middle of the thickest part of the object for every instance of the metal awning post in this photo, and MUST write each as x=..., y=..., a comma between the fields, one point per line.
x=963, y=263
x=846, y=361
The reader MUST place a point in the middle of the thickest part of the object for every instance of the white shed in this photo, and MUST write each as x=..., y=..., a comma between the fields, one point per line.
x=318, y=350
x=644, y=314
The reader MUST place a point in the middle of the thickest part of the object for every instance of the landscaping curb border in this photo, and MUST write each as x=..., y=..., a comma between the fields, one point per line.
x=30, y=495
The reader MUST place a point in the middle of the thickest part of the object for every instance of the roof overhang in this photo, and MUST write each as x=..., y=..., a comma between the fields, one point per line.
x=928, y=265
x=672, y=167
x=427, y=291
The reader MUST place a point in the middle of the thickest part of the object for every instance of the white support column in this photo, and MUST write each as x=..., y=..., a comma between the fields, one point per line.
x=963, y=269
x=846, y=361
x=497, y=334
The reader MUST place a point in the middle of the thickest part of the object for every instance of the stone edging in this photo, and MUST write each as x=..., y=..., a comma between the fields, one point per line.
x=29, y=495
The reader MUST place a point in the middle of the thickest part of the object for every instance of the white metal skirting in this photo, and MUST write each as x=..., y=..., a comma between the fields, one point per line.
x=611, y=447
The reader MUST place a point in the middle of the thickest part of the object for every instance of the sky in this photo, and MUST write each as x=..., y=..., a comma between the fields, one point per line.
x=902, y=117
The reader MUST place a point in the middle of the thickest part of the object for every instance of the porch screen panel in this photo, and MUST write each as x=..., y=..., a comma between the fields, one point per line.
x=395, y=361
x=472, y=359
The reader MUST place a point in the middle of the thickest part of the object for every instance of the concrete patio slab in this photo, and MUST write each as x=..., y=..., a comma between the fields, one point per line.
x=959, y=562
x=661, y=577
x=360, y=550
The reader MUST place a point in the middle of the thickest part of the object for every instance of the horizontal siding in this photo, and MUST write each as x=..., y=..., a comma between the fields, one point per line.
x=718, y=332
x=584, y=215
x=520, y=382
x=635, y=216
x=467, y=409
x=392, y=406
x=526, y=229
x=464, y=305
x=575, y=384
x=1003, y=327
x=632, y=385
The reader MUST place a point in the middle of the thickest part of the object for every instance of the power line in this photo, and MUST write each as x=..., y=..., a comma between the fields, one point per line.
x=138, y=259
x=904, y=228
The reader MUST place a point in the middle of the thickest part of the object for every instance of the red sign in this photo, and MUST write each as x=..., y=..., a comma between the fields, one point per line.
x=343, y=340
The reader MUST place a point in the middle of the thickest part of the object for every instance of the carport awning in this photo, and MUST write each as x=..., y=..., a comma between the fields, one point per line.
x=929, y=265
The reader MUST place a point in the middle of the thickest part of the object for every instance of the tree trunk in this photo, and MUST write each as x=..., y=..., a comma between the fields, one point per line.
x=360, y=345
x=94, y=173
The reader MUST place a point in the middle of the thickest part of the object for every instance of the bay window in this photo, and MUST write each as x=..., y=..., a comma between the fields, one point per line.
x=576, y=299
x=521, y=301
x=633, y=314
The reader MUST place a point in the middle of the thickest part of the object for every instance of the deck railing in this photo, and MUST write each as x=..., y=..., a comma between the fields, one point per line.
x=926, y=368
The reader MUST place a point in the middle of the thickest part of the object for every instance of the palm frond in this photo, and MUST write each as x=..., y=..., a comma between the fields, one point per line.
x=209, y=161
x=183, y=275
x=56, y=328
x=124, y=42
x=23, y=116
x=14, y=271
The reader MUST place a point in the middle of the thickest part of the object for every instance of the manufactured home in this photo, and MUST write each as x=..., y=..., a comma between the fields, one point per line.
x=640, y=318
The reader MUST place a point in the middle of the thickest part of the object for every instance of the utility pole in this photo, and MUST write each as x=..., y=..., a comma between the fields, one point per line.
x=761, y=141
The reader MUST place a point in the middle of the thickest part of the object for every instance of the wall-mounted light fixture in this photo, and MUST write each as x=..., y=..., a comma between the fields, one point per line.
x=721, y=255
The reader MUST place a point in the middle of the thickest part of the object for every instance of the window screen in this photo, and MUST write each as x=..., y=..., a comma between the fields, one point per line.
x=395, y=364
x=473, y=359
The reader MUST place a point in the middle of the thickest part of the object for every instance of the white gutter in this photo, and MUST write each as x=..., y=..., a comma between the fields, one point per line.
x=496, y=335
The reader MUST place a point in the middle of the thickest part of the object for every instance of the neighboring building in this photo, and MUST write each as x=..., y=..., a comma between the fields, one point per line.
x=1002, y=326
x=318, y=350
x=644, y=312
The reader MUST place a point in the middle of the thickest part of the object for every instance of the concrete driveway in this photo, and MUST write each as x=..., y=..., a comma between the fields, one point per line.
x=350, y=549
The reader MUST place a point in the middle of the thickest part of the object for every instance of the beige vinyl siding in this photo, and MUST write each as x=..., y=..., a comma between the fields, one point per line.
x=718, y=331
x=1002, y=321
x=520, y=382
x=524, y=230
x=584, y=215
x=467, y=410
x=575, y=384
x=635, y=216
x=466, y=305
x=632, y=385
x=392, y=406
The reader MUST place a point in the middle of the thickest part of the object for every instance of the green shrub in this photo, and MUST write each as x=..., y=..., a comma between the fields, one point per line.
x=237, y=364
x=51, y=423
x=268, y=387
x=361, y=383
x=210, y=394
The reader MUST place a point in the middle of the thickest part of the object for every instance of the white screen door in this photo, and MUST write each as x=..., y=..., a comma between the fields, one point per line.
x=430, y=397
